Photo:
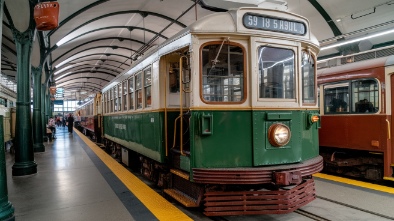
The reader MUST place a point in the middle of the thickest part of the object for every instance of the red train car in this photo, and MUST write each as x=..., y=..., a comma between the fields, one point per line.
x=88, y=118
x=356, y=103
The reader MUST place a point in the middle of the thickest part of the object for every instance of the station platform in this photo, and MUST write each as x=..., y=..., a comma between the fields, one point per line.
x=77, y=180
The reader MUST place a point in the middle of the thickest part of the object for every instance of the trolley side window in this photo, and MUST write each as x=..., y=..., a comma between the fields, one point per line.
x=112, y=100
x=108, y=101
x=119, y=88
x=276, y=73
x=138, y=90
x=116, y=98
x=3, y=102
x=131, y=93
x=174, y=77
x=308, y=78
x=223, y=73
x=365, y=96
x=101, y=106
x=104, y=102
x=147, y=86
x=124, y=97
x=336, y=98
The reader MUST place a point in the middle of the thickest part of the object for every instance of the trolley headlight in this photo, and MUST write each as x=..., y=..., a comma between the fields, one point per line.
x=279, y=135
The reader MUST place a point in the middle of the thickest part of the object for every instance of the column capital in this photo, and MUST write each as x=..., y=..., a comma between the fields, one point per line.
x=23, y=37
x=36, y=70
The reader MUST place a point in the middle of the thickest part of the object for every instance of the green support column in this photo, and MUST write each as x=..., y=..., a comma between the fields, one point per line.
x=43, y=113
x=6, y=208
x=48, y=105
x=51, y=106
x=24, y=153
x=37, y=122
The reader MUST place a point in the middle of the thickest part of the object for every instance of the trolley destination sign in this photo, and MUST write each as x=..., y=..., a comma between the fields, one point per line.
x=266, y=23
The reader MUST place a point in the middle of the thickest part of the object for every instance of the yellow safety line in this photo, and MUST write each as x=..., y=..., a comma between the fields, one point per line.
x=356, y=183
x=160, y=207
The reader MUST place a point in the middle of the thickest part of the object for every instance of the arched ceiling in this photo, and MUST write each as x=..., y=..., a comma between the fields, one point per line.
x=97, y=39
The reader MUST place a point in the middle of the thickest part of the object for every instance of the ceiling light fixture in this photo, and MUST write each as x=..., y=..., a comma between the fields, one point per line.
x=356, y=39
x=63, y=40
x=63, y=75
x=61, y=64
x=62, y=70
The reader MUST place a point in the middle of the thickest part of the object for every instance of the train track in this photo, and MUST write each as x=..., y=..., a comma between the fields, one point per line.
x=320, y=218
x=317, y=217
x=356, y=208
x=311, y=215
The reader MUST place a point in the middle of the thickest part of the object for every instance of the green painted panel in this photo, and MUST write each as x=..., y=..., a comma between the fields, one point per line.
x=219, y=139
x=238, y=138
x=279, y=116
x=185, y=163
x=303, y=144
x=310, y=137
x=155, y=155
x=141, y=132
x=230, y=143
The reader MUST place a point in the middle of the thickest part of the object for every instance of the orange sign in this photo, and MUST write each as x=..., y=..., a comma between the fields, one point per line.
x=46, y=15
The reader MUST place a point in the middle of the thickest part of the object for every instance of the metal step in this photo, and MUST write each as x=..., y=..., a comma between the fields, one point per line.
x=181, y=197
x=180, y=173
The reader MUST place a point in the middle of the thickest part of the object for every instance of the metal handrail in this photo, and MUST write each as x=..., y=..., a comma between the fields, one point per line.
x=181, y=103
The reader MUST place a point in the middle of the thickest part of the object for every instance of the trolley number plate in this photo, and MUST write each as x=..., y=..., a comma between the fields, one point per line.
x=253, y=21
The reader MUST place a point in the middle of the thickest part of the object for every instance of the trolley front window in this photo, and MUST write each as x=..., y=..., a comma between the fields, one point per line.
x=276, y=73
x=223, y=72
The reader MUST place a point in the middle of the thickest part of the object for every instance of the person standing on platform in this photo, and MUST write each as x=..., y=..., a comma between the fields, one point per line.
x=70, y=123
x=58, y=121
x=64, y=120
x=52, y=127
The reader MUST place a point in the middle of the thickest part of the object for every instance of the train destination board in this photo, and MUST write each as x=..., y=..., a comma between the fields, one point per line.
x=266, y=23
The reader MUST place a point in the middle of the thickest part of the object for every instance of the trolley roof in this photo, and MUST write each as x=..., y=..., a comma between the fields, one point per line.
x=362, y=65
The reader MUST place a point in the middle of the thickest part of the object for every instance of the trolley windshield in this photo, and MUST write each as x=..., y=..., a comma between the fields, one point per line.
x=276, y=73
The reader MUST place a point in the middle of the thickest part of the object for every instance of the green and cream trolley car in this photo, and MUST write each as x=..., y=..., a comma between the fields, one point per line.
x=223, y=115
x=7, y=110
